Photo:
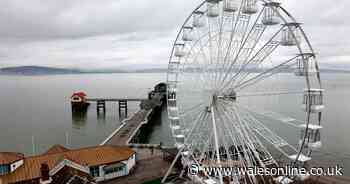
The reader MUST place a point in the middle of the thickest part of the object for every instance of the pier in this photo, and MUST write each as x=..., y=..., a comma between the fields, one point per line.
x=153, y=160
x=128, y=128
x=115, y=99
x=122, y=104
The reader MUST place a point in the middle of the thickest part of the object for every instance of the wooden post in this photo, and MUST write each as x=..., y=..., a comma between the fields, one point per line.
x=101, y=104
x=123, y=105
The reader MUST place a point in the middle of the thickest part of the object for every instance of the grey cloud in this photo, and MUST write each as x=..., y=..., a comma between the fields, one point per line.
x=81, y=18
x=113, y=33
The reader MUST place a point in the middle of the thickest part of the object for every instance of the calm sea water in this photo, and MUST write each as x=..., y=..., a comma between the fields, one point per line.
x=38, y=107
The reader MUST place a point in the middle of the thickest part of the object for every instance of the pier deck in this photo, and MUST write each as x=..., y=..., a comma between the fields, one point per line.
x=128, y=129
x=115, y=99
x=151, y=163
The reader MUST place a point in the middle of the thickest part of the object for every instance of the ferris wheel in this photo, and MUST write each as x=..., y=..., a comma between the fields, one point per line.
x=244, y=90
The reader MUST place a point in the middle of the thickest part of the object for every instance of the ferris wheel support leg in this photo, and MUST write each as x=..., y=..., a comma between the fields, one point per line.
x=216, y=142
x=172, y=165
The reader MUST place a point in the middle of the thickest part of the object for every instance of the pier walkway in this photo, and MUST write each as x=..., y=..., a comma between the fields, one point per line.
x=152, y=161
x=128, y=129
x=115, y=99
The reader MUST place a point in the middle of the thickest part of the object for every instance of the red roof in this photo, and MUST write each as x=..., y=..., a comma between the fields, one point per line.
x=80, y=94
x=91, y=156
x=57, y=149
x=9, y=157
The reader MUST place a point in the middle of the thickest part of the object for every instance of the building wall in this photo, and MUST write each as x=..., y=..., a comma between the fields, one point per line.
x=16, y=165
x=130, y=163
x=116, y=174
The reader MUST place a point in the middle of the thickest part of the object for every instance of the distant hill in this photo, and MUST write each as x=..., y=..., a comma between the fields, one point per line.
x=152, y=70
x=40, y=70
x=36, y=70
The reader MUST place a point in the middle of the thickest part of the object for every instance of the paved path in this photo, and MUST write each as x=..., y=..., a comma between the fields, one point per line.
x=148, y=168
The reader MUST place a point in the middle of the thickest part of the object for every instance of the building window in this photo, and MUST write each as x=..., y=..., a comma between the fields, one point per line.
x=95, y=171
x=4, y=169
x=114, y=169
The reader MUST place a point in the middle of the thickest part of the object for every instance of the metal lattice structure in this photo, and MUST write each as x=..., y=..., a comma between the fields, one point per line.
x=230, y=60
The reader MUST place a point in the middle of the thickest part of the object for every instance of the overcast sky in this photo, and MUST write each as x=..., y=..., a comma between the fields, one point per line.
x=124, y=33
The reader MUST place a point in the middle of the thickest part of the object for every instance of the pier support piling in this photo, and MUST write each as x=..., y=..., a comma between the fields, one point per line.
x=101, y=104
x=123, y=108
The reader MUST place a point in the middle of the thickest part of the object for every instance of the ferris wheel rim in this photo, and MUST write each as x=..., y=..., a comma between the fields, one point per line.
x=282, y=18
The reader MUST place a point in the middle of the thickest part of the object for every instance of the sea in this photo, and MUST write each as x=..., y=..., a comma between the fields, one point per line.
x=35, y=112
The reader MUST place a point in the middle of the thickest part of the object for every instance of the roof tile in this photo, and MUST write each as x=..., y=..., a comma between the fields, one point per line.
x=92, y=156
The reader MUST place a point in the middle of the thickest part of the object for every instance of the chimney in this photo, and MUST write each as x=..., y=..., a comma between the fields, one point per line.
x=45, y=174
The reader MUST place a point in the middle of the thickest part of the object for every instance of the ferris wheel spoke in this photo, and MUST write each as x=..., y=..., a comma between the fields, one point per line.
x=196, y=161
x=227, y=20
x=201, y=45
x=239, y=34
x=267, y=93
x=240, y=20
x=265, y=74
x=200, y=42
x=196, y=61
x=203, y=68
x=192, y=109
x=190, y=117
x=228, y=46
x=291, y=121
x=204, y=149
x=247, y=45
x=258, y=58
x=194, y=54
x=196, y=82
x=237, y=146
x=198, y=122
x=230, y=157
x=219, y=48
x=211, y=47
x=279, y=143
x=198, y=141
x=244, y=142
x=198, y=75
x=260, y=153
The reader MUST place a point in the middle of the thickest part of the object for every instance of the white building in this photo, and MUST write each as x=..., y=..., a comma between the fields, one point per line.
x=91, y=165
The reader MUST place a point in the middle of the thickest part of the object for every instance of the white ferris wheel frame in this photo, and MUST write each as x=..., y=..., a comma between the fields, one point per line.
x=280, y=12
